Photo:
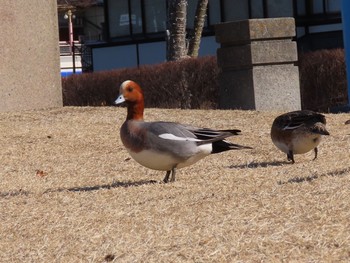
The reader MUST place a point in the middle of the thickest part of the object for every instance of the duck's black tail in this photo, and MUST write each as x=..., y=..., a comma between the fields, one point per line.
x=222, y=146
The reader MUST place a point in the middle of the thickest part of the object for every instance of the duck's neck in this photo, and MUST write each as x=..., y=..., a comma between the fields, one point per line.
x=135, y=111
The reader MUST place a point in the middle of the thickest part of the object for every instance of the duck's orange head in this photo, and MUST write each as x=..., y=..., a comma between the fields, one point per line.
x=131, y=93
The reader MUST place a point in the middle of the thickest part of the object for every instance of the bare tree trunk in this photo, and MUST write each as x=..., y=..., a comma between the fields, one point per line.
x=199, y=21
x=176, y=42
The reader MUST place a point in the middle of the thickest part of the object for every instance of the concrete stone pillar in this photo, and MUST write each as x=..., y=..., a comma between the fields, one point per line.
x=258, y=60
x=29, y=55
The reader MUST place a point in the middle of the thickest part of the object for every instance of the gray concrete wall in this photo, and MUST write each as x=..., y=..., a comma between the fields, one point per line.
x=258, y=59
x=29, y=55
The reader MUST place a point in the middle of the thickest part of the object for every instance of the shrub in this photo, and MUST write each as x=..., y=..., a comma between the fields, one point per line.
x=190, y=83
x=193, y=83
x=323, y=79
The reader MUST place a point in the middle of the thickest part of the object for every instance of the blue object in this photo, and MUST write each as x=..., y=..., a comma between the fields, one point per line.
x=346, y=36
x=68, y=73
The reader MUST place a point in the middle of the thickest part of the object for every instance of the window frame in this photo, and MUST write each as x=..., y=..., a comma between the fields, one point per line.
x=308, y=19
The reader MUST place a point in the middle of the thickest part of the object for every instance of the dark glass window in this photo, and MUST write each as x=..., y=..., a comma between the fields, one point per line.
x=326, y=6
x=317, y=12
x=235, y=10
x=136, y=16
x=301, y=7
x=257, y=8
x=118, y=13
x=155, y=15
x=317, y=6
x=280, y=8
x=214, y=12
x=333, y=6
x=124, y=17
x=191, y=12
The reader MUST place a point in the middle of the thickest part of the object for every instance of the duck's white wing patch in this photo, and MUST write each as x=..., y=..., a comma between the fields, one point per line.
x=169, y=136
x=291, y=127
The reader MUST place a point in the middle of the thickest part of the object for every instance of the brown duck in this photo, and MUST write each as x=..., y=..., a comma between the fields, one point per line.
x=298, y=132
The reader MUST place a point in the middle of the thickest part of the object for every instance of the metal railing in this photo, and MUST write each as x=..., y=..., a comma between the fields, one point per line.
x=75, y=59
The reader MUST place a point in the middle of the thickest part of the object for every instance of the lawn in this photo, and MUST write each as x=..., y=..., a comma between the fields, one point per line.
x=69, y=192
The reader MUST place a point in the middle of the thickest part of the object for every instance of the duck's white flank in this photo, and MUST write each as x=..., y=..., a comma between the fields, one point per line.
x=165, y=162
x=169, y=136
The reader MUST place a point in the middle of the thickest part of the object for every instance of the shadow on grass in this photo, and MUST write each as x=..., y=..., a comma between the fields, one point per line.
x=310, y=178
x=14, y=193
x=22, y=192
x=259, y=164
x=101, y=187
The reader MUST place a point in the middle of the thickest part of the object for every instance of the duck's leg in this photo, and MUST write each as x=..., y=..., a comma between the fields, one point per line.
x=172, y=177
x=166, y=178
x=315, y=150
x=173, y=171
x=290, y=156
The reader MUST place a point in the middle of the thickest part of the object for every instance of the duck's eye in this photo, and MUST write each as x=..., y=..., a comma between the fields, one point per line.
x=130, y=89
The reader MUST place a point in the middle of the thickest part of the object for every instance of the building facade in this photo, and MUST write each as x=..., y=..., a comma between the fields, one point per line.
x=134, y=30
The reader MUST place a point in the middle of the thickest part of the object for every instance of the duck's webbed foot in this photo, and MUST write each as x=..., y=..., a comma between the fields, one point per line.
x=290, y=156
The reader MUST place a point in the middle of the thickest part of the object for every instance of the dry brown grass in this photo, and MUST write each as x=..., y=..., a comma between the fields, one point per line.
x=69, y=193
